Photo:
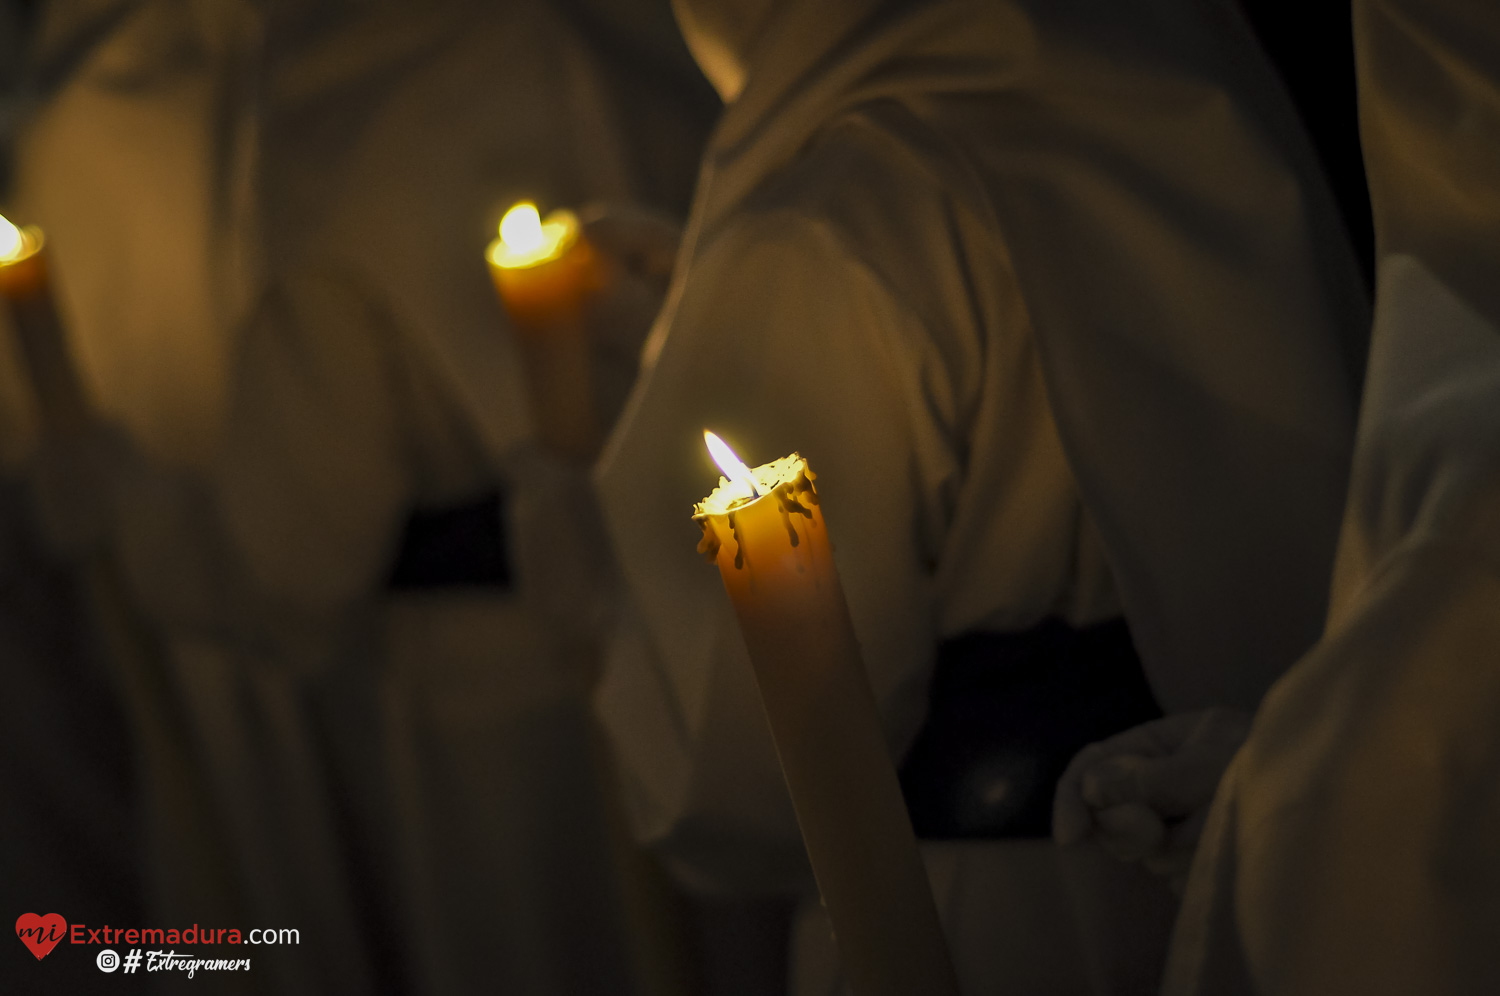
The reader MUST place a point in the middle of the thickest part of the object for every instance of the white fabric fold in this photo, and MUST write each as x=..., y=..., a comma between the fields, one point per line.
x=1351, y=845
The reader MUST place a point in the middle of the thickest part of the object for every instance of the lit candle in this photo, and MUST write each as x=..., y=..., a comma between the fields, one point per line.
x=546, y=272
x=764, y=529
x=61, y=403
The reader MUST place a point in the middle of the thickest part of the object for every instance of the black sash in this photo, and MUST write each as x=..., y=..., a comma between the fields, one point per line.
x=459, y=546
x=1008, y=711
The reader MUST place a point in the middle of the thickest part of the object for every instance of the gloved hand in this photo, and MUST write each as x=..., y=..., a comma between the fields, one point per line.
x=644, y=242
x=642, y=246
x=1144, y=794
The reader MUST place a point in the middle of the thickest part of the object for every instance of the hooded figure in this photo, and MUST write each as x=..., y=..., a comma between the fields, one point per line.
x=1352, y=845
x=402, y=766
x=138, y=160
x=1053, y=300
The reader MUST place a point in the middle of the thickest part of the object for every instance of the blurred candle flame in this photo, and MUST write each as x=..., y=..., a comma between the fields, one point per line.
x=526, y=239
x=733, y=467
x=12, y=243
x=521, y=228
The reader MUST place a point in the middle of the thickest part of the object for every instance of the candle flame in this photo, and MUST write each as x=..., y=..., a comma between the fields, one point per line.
x=733, y=467
x=526, y=239
x=521, y=229
x=12, y=243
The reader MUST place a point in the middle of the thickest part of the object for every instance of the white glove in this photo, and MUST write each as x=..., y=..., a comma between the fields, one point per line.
x=1144, y=794
x=642, y=245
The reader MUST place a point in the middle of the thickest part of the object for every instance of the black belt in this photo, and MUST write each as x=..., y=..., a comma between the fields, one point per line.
x=1008, y=711
x=461, y=546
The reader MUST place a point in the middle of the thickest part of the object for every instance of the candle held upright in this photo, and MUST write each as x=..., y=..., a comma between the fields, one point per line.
x=61, y=403
x=546, y=272
x=764, y=529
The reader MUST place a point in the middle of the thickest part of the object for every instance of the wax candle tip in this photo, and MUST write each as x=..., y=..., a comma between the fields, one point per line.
x=527, y=240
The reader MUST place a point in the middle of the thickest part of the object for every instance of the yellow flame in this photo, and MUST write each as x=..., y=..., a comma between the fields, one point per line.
x=733, y=467
x=526, y=239
x=12, y=243
x=521, y=229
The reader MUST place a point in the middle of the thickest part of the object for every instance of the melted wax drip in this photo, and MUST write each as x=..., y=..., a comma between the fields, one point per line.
x=788, y=500
x=739, y=544
x=708, y=546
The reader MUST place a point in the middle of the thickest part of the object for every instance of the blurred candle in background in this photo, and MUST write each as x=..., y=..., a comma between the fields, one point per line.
x=546, y=274
x=61, y=403
x=160, y=737
x=764, y=528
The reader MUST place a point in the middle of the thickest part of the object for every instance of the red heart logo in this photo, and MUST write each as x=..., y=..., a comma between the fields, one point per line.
x=41, y=933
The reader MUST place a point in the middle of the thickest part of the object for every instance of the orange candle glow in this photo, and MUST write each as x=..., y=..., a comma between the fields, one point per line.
x=764, y=529
x=24, y=285
x=23, y=268
x=546, y=273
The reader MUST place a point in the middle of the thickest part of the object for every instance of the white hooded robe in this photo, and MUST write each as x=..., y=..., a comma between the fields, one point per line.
x=267, y=223
x=1352, y=847
x=1053, y=300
